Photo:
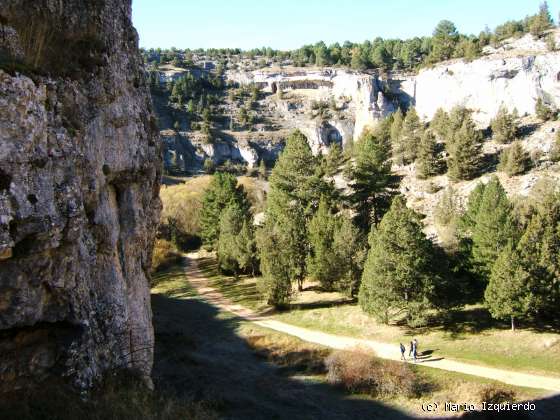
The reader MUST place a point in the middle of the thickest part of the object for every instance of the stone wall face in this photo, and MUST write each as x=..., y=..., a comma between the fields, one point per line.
x=80, y=166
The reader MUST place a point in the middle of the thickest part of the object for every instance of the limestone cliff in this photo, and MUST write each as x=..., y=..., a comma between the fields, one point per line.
x=515, y=76
x=79, y=182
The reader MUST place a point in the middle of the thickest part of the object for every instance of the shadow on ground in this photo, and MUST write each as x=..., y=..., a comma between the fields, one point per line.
x=198, y=355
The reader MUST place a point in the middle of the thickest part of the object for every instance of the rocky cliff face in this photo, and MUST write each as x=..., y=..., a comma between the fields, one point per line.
x=79, y=182
x=515, y=76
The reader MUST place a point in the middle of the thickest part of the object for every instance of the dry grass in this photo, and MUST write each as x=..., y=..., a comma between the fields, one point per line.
x=359, y=371
x=165, y=254
x=287, y=352
x=120, y=397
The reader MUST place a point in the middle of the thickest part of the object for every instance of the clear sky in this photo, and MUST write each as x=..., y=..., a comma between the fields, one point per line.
x=288, y=24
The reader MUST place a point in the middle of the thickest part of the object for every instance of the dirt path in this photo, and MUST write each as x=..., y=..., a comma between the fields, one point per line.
x=384, y=350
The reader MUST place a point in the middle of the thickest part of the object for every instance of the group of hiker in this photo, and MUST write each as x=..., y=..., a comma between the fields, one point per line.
x=413, y=351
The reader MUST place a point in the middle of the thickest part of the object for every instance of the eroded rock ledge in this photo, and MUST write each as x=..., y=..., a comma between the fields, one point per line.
x=79, y=182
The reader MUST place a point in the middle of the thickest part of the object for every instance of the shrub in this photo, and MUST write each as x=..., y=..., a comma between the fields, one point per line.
x=514, y=160
x=359, y=371
x=504, y=127
x=164, y=254
x=495, y=394
x=543, y=111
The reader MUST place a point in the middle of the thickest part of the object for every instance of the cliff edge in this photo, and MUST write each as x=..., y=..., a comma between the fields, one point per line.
x=79, y=182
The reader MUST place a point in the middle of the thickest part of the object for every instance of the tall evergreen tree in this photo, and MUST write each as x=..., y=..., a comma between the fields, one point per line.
x=370, y=180
x=409, y=140
x=495, y=227
x=396, y=128
x=236, y=245
x=454, y=122
x=222, y=192
x=464, y=153
x=508, y=294
x=439, y=123
x=542, y=21
x=428, y=163
x=333, y=160
x=444, y=41
x=397, y=276
x=321, y=261
x=296, y=175
x=350, y=254
x=295, y=190
x=539, y=250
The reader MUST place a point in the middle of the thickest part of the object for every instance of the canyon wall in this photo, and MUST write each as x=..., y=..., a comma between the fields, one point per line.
x=79, y=183
x=514, y=76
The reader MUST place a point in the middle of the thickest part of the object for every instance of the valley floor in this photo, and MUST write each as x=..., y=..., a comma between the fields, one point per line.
x=203, y=349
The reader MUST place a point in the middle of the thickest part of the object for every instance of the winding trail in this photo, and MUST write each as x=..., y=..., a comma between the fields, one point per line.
x=197, y=278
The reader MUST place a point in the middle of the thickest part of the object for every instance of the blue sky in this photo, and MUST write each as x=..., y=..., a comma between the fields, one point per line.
x=288, y=24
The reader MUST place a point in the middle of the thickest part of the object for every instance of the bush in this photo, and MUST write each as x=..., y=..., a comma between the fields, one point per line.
x=359, y=371
x=494, y=394
x=164, y=254
x=514, y=160
x=543, y=111
x=504, y=126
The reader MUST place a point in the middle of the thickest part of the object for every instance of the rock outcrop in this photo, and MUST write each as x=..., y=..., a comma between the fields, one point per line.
x=514, y=78
x=79, y=183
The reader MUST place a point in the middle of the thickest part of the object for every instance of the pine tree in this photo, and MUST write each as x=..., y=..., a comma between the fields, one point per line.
x=321, y=261
x=235, y=247
x=410, y=136
x=396, y=128
x=439, y=123
x=542, y=21
x=540, y=256
x=295, y=191
x=222, y=192
x=370, y=180
x=397, y=276
x=350, y=254
x=495, y=227
x=469, y=218
x=543, y=111
x=504, y=127
x=507, y=294
x=282, y=248
x=296, y=175
x=514, y=160
x=454, y=122
x=464, y=153
x=428, y=163
x=333, y=161
x=444, y=41
x=448, y=209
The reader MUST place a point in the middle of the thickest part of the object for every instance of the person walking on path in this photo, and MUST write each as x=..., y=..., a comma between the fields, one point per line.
x=403, y=350
x=414, y=349
x=411, y=349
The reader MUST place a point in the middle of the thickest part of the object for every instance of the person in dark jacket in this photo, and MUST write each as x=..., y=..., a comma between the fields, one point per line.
x=403, y=350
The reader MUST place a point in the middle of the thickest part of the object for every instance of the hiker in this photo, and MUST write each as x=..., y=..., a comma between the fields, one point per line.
x=403, y=350
x=411, y=348
x=414, y=349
